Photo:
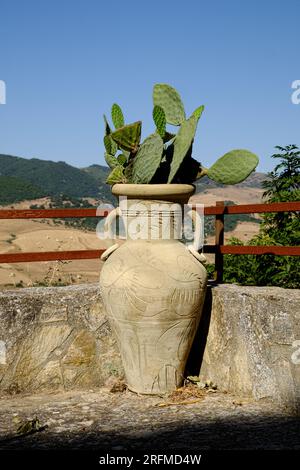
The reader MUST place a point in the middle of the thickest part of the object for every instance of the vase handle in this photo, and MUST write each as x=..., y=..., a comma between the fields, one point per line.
x=197, y=244
x=108, y=229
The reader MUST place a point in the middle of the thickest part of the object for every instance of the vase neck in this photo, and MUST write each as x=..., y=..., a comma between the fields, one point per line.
x=151, y=219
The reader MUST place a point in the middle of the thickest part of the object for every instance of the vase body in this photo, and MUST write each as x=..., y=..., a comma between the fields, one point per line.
x=153, y=290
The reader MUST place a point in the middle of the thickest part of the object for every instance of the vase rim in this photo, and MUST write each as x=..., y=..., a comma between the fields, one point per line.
x=168, y=192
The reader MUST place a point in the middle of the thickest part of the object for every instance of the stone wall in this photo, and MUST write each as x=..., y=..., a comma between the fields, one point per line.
x=55, y=338
x=59, y=339
x=253, y=342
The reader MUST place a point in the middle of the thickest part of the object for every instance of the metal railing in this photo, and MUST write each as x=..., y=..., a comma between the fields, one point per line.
x=220, y=210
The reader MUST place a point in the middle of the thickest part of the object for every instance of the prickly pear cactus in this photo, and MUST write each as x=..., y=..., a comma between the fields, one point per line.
x=198, y=112
x=116, y=175
x=111, y=160
x=147, y=160
x=233, y=167
x=182, y=144
x=122, y=159
x=128, y=137
x=110, y=145
x=165, y=157
x=169, y=100
x=117, y=116
x=159, y=118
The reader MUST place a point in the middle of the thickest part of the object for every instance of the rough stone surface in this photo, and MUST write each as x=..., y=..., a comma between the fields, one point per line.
x=125, y=422
x=58, y=339
x=253, y=346
x=55, y=339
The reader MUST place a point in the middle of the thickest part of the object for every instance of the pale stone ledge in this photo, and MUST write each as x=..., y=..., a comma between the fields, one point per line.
x=253, y=346
x=55, y=338
x=58, y=338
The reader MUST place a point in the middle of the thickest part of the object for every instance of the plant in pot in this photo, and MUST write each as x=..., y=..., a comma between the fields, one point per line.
x=153, y=286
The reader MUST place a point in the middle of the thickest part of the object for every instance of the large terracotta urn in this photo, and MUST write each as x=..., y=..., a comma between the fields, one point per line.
x=153, y=286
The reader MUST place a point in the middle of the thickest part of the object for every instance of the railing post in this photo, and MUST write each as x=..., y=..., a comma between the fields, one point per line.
x=219, y=229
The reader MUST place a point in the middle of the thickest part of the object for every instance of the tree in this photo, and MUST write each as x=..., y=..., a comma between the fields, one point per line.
x=281, y=185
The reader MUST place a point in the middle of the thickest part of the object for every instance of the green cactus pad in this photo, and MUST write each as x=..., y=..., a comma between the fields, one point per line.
x=182, y=144
x=233, y=167
x=116, y=176
x=107, y=127
x=147, y=159
x=122, y=159
x=128, y=137
x=110, y=145
x=128, y=172
x=169, y=99
x=117, y=116
x=198, y=112
x=159, y=118
x=111, y=160
x=107, y=143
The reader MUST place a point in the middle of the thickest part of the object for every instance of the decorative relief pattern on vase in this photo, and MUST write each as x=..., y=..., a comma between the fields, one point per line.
x=153, y=292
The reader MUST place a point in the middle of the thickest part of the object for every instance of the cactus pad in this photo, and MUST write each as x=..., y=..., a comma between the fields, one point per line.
x=110, y=145
x=159, y=118
x=116, y=176
x=233, y=167
x=197, y=113
x=182, y=144
x=122, y=159
x=147, y=159
x=128, y=137
x=169, y=99
x=117, y=116
x=111, y=160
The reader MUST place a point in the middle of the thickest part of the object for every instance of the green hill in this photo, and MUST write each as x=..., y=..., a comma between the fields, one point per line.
x=52, y=178
x=14, y=190
x=23, y=178
x=98, y=172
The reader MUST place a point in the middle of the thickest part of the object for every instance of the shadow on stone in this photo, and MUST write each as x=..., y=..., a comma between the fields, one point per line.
x=197, y=350
x=257, y=433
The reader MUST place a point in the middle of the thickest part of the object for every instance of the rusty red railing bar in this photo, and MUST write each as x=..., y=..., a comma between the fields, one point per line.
x=50, y=256
x=253, y=208
x=95, y=254
x=260, y=250
x=51, y=213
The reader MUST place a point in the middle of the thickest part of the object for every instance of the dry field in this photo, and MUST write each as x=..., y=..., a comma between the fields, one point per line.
x=35, y=235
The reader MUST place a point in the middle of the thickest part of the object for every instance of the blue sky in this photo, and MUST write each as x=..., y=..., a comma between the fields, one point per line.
x=65, y=62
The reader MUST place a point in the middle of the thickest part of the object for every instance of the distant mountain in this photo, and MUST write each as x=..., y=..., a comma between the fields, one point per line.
x=49, y=179
x=22, y=179
x=98, y=172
